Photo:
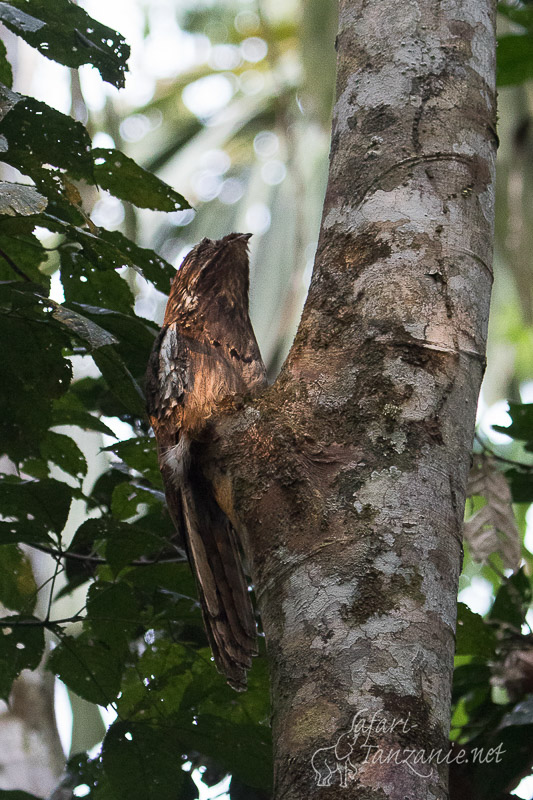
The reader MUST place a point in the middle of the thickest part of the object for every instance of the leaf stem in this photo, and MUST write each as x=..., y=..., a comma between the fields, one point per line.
x=14, y=266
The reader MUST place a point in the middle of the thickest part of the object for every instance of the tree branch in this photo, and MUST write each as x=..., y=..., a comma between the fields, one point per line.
x=99, y=560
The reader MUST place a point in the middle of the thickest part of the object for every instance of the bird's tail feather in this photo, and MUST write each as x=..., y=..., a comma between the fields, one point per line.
x=216, y=561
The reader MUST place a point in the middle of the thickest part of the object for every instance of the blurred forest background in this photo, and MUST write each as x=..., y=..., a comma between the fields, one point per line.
x=229, y=102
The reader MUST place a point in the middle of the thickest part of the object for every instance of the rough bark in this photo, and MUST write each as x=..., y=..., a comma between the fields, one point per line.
x=349, y=473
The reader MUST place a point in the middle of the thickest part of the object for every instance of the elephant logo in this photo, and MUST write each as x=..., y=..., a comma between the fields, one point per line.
x=326, y=761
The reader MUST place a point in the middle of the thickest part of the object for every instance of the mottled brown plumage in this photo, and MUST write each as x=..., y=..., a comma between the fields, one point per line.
x=207, y=352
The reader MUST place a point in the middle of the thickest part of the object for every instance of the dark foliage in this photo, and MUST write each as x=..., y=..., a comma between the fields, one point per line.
x=142, y=649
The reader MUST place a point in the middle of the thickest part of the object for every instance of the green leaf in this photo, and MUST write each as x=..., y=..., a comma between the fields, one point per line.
x=112, y=614
x=135, y=336
x=104, y=250
x=140, y=454
x=64, y=32
x=506, y=759
x=148, y=263
x=473, y=637
x=155, y=686
x=29, y=301
x=142, y=761
x=37, y=134
x=36, y=468
x=521, y=427
x=69, y=410
x=93, y=529
x=64, y=452
x=471, y=677
x=512, y=601
x=124, y=542
x=87, y=774
x=127, y=498
x=22, y=252
x=131, y=544
x=64, y=199
x=81, y=327
x=521, y=483
x=88, y=667
x=21, y=647
x=112, y=250
x=120, y=380
x=18, y=590
x=157, y=519
x=519, y=15
x=243, y=749
x=6, y=73
x=38, y=375
x=44, y=503
x=170, y=578
x=18, y=198
x=99, y=285
x=35, y=507
x=102, y=490
x=125, y=179
x=33, y=370
x=514, y=59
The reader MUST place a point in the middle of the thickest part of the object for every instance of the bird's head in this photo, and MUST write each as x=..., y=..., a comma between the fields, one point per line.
x=216, y=264
x=210, y=249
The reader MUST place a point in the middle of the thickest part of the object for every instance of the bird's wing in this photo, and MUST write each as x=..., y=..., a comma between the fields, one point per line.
x=180, y=372
x=222, y=587
x=236, y=346
x=166, y=380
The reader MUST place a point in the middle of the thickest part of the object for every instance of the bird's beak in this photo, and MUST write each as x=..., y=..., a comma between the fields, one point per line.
x=246, y=236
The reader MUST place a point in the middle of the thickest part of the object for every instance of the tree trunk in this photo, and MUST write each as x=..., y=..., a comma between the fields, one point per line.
x=31, y=755
x=349, y=473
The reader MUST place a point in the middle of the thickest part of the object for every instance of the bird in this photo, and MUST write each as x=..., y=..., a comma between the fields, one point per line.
x=205, y=354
